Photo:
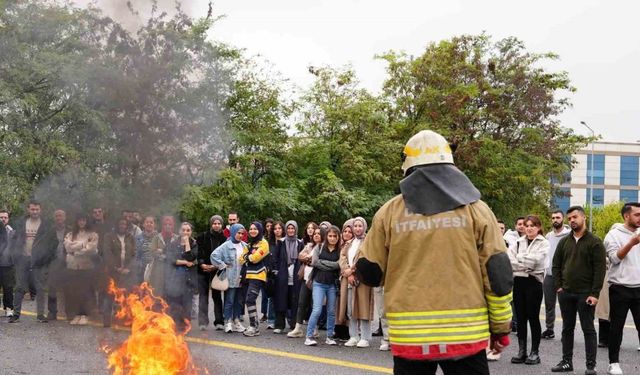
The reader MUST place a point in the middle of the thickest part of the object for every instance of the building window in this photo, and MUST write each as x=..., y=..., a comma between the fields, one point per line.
x=598, y=169
x=629, y=195
x=562, y=200
x=598, y=197
x=628, y=170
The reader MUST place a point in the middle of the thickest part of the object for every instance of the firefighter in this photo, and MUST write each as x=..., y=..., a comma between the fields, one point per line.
x=437, y=250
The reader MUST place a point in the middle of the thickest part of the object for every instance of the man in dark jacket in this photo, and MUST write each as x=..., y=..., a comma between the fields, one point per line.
x=7, y=274
x=34, y=247
x=579, y=266
x=207, y=242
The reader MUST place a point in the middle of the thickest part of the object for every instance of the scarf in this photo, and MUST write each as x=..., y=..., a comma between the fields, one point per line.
x=364, y=227
x=291, y=242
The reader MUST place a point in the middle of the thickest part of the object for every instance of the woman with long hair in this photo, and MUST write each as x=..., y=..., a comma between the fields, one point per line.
x=81, y=245
x=356, y=299
x=324, y=278
x=181, y=276
x=255, y=271
x=304, y=297
x=528, y=259
x=309, y=229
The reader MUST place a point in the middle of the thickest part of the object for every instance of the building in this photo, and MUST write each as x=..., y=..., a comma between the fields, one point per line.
x=615, y=175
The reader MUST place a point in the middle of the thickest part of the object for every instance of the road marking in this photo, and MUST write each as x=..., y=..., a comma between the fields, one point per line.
x=271, y=352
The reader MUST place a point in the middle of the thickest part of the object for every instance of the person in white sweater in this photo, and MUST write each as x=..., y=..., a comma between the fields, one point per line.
x=623, y=250
x=80, y=245
x=529, y=259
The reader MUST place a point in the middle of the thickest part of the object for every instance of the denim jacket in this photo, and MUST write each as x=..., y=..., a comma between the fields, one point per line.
x=227, y=257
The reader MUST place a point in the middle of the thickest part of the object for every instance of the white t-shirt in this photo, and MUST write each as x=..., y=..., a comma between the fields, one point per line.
x=122, y=249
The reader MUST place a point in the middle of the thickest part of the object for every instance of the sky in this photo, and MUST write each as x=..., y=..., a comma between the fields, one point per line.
x=598, y=42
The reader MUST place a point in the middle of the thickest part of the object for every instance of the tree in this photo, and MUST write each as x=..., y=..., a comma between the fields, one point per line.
x=496, y=102
x=138, y=114
x=343, y=134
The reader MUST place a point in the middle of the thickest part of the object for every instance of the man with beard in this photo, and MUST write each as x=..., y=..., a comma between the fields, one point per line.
x=207, y=242
x=560, y=231
x=623, y=249
x=34, y=247
x=578, y=269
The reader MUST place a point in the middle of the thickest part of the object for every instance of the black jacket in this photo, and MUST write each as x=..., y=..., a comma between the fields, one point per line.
x=44, y=244
x=580, y=267
x=207, y=242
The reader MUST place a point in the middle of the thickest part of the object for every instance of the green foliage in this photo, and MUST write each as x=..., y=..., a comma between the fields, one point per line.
x=495, y=101
x=139, y=114
x=604, y=217
x=91, y=113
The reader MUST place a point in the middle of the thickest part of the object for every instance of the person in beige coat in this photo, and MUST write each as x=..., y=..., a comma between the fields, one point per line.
x=356, y=299
x=81, y=245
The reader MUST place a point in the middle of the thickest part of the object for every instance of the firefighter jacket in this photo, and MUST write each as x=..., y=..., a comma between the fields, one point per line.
x=447, y=279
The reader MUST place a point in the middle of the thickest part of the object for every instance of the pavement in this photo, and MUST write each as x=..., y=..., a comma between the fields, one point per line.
x=57, y=348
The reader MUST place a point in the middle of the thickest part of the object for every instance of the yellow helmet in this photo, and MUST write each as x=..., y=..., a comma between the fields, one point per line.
x=426, y=147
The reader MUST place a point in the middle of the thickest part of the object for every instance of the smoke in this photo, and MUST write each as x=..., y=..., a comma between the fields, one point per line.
x=131, y=14
x=152, y=105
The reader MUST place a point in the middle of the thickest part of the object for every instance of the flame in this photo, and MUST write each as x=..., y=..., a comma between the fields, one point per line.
x=154, y=346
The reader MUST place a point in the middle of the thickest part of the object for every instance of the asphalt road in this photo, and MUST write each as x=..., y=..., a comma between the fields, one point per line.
x=56, y=348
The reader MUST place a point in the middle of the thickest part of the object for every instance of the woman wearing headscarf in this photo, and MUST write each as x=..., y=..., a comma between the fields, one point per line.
x=255, y=270
x=286, y=266
x=226, y=257
x=356, y=299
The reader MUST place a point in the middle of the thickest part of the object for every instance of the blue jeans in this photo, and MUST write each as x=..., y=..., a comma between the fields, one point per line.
x=320, y=291
x=232, y=304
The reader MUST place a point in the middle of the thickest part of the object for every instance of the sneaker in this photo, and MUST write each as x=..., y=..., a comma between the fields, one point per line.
x=42, y=319
x=614, y=369
x=271, y=326
x=83, y=320
x=251, y=332
x=297, y=331
x=352, y=342
x=219, y=327
x=310, y=342
x=277, y=331
x=548, y=334
x=384, y=345
x=203, y=327
x=330, y=341
x=493, y=356
x=238, y=327
x=8, y=313
x=75, y=320
x=14, y=319
x=363, y=344
x=228, y=328
x=563, y=366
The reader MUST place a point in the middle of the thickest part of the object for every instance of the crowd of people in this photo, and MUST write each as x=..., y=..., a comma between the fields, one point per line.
x=310, y=277
x=302, y=279
x=589, y=277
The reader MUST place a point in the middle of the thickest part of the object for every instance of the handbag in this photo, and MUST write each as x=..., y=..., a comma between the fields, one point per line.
x=220, y=281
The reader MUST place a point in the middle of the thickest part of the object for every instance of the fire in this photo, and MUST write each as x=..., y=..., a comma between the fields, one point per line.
x=154, y=347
